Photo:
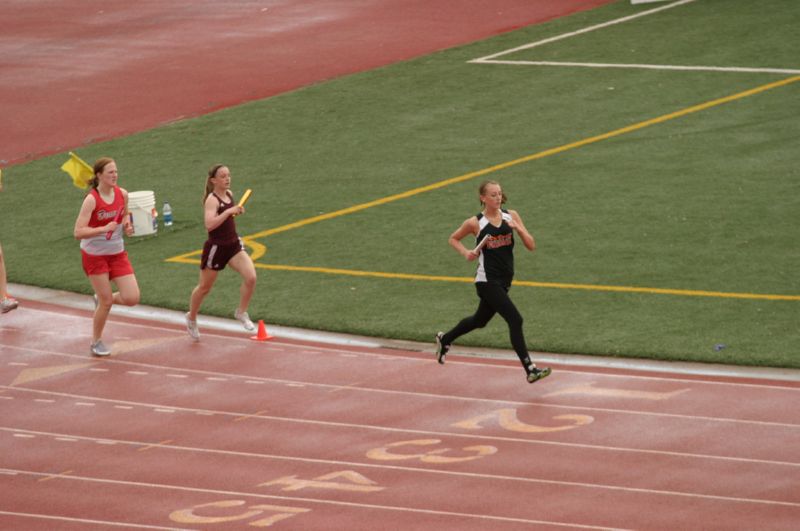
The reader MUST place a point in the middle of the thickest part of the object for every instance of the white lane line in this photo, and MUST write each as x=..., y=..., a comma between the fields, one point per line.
x=454, y=473
x=438, y=396
x=471, y=436
x=344, y=343
x=790, y=375
x=228, y=493
x=85, y=520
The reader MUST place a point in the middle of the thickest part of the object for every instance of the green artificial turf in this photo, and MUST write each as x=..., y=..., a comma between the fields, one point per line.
x=706, y=203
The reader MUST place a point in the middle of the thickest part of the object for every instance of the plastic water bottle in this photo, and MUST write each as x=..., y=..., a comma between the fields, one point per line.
x=167, y=214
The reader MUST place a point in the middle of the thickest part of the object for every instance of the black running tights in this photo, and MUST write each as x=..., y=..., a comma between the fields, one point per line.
x=493, y=299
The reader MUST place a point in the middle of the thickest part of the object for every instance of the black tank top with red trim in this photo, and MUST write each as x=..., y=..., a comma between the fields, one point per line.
x=496, y=261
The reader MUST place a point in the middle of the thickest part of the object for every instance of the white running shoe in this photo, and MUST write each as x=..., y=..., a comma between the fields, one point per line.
x=191, y=327
x=243, y=318
x=99, y=349
x=7, y=304
x=441, y=348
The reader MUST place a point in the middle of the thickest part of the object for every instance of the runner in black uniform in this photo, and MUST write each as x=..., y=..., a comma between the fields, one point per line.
x=494, y=275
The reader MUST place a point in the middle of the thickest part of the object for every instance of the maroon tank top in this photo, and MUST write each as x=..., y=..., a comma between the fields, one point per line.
x=226, y=232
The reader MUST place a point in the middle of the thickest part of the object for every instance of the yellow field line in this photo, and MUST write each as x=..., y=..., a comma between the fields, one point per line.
x=515, y=162
x=259, y=249
x=527, y=283
x=661, y=291
x=528, y=158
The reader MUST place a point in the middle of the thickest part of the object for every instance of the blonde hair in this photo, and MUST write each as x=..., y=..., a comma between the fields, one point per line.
x=482, y=190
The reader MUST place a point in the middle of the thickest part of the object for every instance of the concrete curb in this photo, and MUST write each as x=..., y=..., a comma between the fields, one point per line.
x=84, y=302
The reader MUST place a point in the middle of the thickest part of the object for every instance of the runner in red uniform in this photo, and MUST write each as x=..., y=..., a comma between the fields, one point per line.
x=99, y=227
x=223, y=247
x=7, y=303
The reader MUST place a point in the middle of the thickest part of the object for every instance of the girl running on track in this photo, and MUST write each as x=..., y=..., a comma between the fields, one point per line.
x=101, y=222
x=223, y=247
x=7, y=303
x=495, y=273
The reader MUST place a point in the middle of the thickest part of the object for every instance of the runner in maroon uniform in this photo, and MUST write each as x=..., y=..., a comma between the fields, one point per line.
x=99, y=227
x=223, y=247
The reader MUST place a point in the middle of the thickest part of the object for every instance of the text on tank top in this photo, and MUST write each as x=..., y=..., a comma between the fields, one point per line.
x=496, y=261
x=102, y=214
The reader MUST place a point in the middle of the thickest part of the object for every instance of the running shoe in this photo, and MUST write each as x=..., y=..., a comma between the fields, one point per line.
x=441, y=348
x=8, y=304
x=191, y=327
x=243, y=318
x=535, y=374
x=99, y=349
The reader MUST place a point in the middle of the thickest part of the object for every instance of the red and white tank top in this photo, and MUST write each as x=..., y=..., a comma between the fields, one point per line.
x=103, y=213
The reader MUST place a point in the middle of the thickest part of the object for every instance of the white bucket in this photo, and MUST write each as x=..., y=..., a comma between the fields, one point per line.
x=142, y=209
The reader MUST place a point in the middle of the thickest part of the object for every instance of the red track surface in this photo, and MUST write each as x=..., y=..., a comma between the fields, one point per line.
x=73, y=73
x=232, y=433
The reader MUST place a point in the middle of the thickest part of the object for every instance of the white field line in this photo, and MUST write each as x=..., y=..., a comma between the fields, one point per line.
x=488, y=58
x=492, y=59
x=742, y=69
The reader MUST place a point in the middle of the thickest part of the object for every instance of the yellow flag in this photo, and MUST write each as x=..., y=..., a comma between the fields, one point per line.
x=80, y=172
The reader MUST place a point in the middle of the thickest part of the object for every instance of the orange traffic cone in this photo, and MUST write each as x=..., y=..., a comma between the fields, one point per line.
x=262, y=332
